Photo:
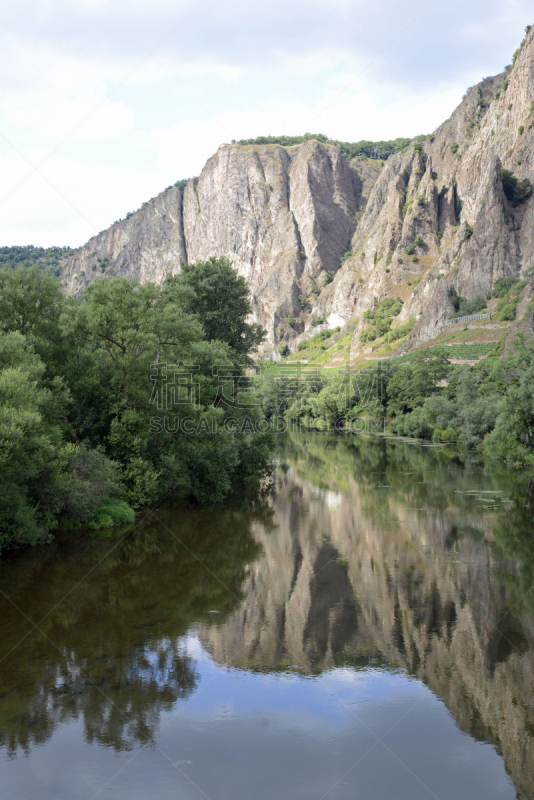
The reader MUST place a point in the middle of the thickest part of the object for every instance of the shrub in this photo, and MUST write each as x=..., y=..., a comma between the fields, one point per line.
x=303, y=300
x=418, y=240
x=112, y=512
x=330, y=275
x=469, y=230
x=434, y=175
x=507, y=312
x=521, y=129
x=509, y=106
x=284, y=350
x=380, y=319
x=421, y=200
x=292, y=322
x=465, y=308
x=302, y=346
x=389, y=259
x=317, y=321
x=415, y=259
x=454, y=147
x=401, y=331
x=517, y=191
x=410, y=250
x=502, y=286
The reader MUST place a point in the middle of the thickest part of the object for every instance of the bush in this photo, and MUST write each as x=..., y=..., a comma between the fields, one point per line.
x=515, y=190
x=521, y=129
x=502, y=286
x=418, y=240
x=302, y=346
x=454, y=147
x=507, y=312
x=410, y=250
x=284, y=350
x=465, y=308
x=303, y=300
x=113, y=512
x=421, y=200
x=291, y=322
x=401, y=331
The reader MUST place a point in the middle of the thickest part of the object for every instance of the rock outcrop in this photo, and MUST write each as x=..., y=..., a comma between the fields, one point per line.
x=317, y=236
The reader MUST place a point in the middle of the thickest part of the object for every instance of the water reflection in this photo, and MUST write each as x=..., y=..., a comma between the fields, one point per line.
x=372, y=561
x=391, y=553
x=108, y=649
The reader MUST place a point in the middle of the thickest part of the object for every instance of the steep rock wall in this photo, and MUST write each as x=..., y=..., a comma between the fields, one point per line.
x=286, y=216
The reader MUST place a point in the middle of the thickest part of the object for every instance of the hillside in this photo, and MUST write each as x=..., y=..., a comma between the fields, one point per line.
x=324, y=239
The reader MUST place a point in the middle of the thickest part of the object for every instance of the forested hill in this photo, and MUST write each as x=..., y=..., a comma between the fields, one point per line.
x=50, y=259
x=382, y=149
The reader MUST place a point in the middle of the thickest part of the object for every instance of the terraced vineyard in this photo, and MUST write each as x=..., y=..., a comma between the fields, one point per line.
x=464, y=351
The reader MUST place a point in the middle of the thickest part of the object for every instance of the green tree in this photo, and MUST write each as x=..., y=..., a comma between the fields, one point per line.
x=219, y=297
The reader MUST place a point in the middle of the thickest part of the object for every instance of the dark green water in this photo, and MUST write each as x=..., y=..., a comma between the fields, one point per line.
x=364, y=630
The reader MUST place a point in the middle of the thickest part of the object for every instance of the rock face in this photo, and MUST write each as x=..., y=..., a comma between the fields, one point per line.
x=286, y=216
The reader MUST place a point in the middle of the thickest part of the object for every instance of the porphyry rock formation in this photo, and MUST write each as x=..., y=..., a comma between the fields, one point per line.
x=318, y=236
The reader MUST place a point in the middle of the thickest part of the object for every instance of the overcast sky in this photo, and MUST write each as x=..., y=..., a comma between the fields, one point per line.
x=107, y=102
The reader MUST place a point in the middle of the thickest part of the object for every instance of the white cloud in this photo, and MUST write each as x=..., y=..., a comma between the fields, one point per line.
x=115, y=124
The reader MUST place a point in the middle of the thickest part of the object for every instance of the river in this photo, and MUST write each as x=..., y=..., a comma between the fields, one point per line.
x=363, y=628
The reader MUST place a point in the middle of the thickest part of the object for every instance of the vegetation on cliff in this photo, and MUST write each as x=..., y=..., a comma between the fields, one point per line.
x=367, y=149
x=111, y=400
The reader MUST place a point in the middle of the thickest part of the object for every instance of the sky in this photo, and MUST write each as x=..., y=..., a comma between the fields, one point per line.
x=107, y=102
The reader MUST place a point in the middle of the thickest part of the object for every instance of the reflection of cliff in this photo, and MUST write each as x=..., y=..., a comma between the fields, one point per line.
x=355, y=571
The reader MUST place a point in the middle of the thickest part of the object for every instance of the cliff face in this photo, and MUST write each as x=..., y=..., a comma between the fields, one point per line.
x=286, y=215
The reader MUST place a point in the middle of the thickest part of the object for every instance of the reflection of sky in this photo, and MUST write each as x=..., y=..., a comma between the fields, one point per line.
x=246, y=735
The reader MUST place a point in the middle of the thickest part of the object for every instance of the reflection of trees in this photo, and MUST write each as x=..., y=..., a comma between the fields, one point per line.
x=514, y=535
x=111, y=651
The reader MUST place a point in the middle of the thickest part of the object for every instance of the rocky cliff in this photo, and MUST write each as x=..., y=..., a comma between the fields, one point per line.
x=318, y=236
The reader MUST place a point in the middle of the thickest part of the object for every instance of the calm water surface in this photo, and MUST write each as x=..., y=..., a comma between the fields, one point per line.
x=365, y=630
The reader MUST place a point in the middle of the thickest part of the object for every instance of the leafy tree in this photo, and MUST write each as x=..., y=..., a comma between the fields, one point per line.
x=412, y=383
x=220, y=299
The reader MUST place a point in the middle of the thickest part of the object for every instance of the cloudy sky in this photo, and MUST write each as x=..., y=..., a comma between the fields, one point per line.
x=107, y=102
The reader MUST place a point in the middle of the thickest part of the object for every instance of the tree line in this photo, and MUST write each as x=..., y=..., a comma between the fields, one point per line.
x=82, y=380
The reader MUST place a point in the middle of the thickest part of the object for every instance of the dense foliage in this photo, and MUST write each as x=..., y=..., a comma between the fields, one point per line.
x=363, y=148
x=112, y=400
x=489, y=405
x=50, y=259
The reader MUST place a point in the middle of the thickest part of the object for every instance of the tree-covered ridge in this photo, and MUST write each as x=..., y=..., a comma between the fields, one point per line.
x=367, y=149
x=50, y=259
